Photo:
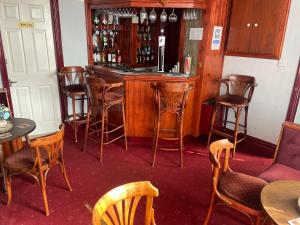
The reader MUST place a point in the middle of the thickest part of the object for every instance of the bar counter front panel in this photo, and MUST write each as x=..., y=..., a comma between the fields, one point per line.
x=140, y=101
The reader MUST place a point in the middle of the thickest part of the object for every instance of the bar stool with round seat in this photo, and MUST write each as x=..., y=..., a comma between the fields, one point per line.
x=170, y=98
x=71, y=80
x=239, y=91
x=101, y=98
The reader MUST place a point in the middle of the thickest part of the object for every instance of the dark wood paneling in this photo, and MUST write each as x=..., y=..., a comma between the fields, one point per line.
x=58, y=47
x=148, y=3
x=294, y=101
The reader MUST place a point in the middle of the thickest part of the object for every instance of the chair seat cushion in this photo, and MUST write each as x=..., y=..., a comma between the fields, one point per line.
x=23, y=160
x=231, y=100
x=242, y=188
x=77, y=89
x=280, y=172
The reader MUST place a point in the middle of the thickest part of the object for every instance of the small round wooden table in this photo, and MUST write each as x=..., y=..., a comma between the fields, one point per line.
x=279, y=200
x=16, y=132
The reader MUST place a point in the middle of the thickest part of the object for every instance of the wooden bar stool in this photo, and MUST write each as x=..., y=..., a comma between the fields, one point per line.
x=71, y=80
x=239, y=91
x=170, y=98
x=100, y=99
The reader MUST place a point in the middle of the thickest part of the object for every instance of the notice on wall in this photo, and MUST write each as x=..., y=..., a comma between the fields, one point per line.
x=216, y=39
x=26, y=25
x=196, y=34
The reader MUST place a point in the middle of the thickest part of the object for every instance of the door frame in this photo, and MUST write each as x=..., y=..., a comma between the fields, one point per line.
x=295, y=96
x=54, y=8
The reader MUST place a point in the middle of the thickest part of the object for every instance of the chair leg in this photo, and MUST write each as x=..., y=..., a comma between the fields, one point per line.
x=210, y=208
x=155, y=138
x=212, y=124
x=8, y=190
x=82, y=106
x=74, y=118
x=86, y=129
x=63, y=170
x=102, y=131
x=106, y=125
x=236, y=126
x=44, y=194
x=124, y=124
x=246, y=121
x=181, y=140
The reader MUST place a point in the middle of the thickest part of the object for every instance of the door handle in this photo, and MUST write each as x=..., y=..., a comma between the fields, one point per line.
x=10, y=82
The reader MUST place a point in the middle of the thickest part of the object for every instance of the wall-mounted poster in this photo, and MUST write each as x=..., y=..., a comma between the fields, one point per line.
x=216, y=39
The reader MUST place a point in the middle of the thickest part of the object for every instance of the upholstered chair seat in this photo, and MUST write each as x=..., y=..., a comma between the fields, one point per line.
x=280, y=172
x=242, y=188
x=23, y=160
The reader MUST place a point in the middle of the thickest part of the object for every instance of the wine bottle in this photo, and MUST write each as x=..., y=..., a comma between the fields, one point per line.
x=119, y=57
x=113, y=56
x=95, y=55
x=109, y=56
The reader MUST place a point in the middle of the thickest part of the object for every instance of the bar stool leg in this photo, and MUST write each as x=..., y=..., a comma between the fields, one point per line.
x=237, y=119
x=87, y=125
x=225, y=117
x=212, y=124
x=124, y=124
x=181, y=139
x=82, y=107
x=246, y=121
x=156, y=134
x=74, y=118
x=106, y=125
x=102, y=129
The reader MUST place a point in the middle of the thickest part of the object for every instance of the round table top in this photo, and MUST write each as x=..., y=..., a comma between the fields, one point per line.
x=280, y=199
x=16, y=131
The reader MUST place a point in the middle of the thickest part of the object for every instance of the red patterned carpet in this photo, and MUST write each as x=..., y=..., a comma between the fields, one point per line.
x=183, y=193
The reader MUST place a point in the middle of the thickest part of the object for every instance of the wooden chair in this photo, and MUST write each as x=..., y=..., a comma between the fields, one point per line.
x=118, y=206
x=286, y=163
x=239, y=91
x=170, y=98
x=101, y=98
x=236, y=190
x=36, y=161
x=71, y=81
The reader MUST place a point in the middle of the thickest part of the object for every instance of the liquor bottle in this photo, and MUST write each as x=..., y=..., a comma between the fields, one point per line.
x=95, y=56
x=103, y=56
x=113, y=56
x=152, y=55
x=147, y=48
x=143, y=56
x=119, y=57
x=109, y=56
x=137, y=56
x=161, y=51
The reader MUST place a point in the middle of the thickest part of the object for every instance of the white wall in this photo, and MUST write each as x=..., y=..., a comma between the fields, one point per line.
x=275, y=81
x=73, y=31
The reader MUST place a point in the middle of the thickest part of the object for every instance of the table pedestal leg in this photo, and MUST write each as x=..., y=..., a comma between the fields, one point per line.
x=2, y=170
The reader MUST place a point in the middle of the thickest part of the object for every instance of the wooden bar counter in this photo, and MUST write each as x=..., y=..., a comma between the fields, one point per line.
x=140, y=100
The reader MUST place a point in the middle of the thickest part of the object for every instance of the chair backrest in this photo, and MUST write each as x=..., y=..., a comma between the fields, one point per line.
x=118, y=206
x=4, y=98
x=172, y=95
x=95, y=89
x=52, y=144
x=288, y=146
x=71, y=75
x=240, y=85
x=215, y=152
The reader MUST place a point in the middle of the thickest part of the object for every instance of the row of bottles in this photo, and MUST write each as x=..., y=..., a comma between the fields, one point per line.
x=106, y=55
x=145, y=54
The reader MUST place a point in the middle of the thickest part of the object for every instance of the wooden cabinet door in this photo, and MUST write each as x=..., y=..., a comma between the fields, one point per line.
x=240, y=26
x=268, y=28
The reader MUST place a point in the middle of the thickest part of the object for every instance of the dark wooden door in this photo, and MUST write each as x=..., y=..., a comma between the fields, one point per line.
x=267, y=26
x=240, y=26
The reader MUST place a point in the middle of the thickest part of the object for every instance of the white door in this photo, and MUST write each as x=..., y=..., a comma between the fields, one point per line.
x=29, y=51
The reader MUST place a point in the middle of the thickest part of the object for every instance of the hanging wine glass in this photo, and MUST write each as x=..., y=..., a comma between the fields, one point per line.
x=163, y=16
x=143, y=15
x=173, y=17
x=153, y=16
x=96, y=20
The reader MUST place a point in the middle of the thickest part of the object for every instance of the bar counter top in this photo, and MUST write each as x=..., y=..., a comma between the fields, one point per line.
x=140, y=75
